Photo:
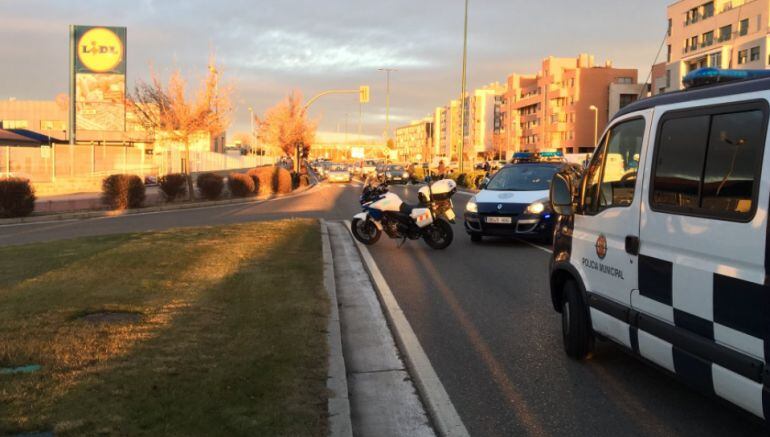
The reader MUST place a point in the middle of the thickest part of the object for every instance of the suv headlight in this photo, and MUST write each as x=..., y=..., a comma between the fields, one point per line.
x=405, y=175
x=471, y=206
x=536, y=208
x=387, y=173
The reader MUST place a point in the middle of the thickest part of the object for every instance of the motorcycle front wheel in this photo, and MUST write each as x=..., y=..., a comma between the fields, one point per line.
x=365, y=231
x=439, y=235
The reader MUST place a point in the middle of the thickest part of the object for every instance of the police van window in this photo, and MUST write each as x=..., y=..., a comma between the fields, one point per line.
x=709, y=164
x=679, y=164
x=612, y=179
x=735, y=148
x=592, y=178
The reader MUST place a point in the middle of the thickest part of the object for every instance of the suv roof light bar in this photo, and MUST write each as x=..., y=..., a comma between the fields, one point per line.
x=711, y=76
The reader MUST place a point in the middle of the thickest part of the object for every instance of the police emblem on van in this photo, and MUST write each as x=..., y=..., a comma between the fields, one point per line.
x=601, y=247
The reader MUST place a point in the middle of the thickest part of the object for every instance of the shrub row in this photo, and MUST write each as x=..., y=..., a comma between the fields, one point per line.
x=17, y=197
x=121, y=191
x=469, y=180
x=272, y=180
x=173, y=186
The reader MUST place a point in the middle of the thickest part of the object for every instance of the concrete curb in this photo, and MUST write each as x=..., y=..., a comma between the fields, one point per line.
x=440, y=408
x=52, y=218
x=340, y=424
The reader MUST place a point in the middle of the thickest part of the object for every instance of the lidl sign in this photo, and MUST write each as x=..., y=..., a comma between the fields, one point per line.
x=100, y=49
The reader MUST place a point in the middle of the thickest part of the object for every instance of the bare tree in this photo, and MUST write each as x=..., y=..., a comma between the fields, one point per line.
x=165, y=108
x=286, y=126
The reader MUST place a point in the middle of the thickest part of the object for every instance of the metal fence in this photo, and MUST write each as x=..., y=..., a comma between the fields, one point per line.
x=64, y=161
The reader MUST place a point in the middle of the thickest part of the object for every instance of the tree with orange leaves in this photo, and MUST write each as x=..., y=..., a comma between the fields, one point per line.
x=286, y=125
x=167, y=109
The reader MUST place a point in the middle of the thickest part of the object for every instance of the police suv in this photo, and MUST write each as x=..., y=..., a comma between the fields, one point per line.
x=663, y=244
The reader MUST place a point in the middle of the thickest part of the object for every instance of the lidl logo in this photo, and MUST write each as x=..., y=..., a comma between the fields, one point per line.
x=100, y=50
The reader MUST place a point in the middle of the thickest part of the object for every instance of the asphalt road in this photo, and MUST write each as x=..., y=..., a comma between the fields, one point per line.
x=483, y=315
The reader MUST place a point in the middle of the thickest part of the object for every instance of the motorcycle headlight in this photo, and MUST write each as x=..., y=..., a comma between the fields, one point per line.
x=471, y=206
x=405, y=175
x=536, y=208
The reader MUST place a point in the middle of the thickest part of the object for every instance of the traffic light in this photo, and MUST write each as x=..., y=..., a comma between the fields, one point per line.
x=363, y=94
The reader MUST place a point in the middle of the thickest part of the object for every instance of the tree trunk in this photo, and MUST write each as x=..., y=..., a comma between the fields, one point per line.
x=188, y=170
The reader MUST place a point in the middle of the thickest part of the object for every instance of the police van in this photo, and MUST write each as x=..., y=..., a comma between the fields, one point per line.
x=663, y=245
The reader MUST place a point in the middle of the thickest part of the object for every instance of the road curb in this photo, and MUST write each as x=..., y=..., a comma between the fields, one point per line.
x=340, y=424
x=444, y=416
x=53, y=218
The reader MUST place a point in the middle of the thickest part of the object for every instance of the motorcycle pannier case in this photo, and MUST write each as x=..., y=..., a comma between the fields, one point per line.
x=421, y=216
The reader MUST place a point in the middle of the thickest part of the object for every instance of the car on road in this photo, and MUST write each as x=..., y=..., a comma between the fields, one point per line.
x=663, y=245
x=338, y=173
x=367, y=167
x=514, y=203
x=395, y=174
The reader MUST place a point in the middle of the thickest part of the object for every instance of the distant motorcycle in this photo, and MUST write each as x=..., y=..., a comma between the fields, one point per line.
x=385, y=211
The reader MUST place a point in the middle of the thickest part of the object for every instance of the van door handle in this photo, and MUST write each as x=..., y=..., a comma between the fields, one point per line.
x=632, y=245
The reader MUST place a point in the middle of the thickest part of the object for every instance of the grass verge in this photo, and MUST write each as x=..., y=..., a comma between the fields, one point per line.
x=229, y=337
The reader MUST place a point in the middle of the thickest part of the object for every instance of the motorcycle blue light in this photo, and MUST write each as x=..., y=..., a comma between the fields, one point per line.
x=709, y=76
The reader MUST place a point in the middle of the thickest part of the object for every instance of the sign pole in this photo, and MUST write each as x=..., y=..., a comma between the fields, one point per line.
x=72, y=86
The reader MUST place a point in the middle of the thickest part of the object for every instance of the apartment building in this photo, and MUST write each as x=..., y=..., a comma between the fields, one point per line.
x=717, y=33
x=415, y=141
x=559, y=107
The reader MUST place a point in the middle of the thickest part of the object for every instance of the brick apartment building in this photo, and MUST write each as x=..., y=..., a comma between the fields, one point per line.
x=719, y=33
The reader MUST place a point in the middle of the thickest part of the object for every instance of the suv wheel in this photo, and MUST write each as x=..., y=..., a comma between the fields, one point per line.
x=575, y=326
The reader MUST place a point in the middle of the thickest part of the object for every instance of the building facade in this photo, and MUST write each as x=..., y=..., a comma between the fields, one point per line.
x=563, y=107
x=718, y=33
x=415, y=141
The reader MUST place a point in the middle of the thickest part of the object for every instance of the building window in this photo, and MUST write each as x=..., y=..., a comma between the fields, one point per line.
x=725, y=33
x=668, y=78
x=14, y=124
x=699, y=170
x=743, y=56
x=743, y=27
x=694, y=43
x=708, y=10
x=52, y=125
x=627, y=99
x=715, y=60
x=624, y=80
x=668, y=54
x=669, y=27
x=754, y=54
x=708, y=39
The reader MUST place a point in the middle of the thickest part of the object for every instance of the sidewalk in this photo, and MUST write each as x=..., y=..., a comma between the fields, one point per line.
x=383, y=397
x=85, y=201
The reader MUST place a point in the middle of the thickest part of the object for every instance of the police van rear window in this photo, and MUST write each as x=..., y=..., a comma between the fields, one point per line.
x=708, y=161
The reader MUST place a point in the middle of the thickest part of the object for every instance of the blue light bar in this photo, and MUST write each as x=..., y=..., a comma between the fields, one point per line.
x=522, y=155
x=556, y=154
x=710, y=76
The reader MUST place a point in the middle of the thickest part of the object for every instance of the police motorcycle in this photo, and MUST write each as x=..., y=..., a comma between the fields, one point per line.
x=385, y=211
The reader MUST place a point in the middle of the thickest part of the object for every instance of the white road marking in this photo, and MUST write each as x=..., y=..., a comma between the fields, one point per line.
x=544, y=249
x=443, y=412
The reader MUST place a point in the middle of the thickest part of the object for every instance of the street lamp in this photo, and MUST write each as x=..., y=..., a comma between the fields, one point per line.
x=463, y=91
x=387, y=100
x=596, y=123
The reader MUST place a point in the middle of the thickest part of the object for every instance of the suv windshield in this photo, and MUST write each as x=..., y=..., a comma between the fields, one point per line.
x=523, y=178
x=396, y=168
x=339, y=167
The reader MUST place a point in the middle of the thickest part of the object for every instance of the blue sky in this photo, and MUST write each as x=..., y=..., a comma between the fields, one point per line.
x=268, y=48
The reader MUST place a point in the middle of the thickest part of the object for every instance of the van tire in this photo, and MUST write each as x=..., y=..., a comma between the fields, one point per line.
x=575, y=326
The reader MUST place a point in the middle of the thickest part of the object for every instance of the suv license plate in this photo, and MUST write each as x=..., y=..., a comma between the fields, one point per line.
x=499, y=220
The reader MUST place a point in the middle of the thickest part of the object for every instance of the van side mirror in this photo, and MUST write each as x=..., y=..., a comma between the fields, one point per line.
x=561, y=195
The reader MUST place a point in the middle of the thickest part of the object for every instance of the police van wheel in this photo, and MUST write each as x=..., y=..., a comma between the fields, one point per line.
x=575, y=326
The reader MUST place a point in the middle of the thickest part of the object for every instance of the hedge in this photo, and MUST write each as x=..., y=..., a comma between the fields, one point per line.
x=173, y=186
x=17, y=197
x=121, y=191
x=272, y=180
x=241, y=185
x=210, y=185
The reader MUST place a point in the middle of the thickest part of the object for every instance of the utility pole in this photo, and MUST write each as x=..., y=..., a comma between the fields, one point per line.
x=387, y=100
x=463, y=91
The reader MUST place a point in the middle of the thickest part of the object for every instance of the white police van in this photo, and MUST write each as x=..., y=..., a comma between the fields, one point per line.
x=663, y=244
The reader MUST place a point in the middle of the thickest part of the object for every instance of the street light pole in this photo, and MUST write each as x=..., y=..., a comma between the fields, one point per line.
x=463, y=91
x=387, y=100
x=596, y=123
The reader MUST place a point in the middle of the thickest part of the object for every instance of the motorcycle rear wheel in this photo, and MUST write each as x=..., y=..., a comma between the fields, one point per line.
x=365, y=231
x=439, y=235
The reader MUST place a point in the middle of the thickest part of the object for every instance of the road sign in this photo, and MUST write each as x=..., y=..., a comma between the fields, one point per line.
x=363, y=94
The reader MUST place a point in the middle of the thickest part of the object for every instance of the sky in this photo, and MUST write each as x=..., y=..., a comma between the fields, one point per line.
x=266, y=49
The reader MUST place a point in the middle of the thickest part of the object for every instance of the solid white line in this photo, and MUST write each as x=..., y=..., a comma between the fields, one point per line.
x=545, y=249
x=443, y=412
